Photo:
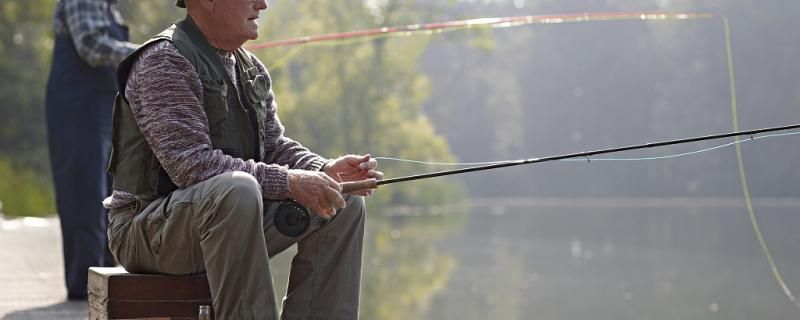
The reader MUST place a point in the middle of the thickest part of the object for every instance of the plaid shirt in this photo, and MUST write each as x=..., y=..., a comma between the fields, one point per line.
x=85, y=22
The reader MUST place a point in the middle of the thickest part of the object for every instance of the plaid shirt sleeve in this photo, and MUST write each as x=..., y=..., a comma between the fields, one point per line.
x=86, y=23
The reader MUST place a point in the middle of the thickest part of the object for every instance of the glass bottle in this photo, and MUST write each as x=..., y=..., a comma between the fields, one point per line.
x=204, y=313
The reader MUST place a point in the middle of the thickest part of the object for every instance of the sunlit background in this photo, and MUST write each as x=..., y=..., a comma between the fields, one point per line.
x=658, y=239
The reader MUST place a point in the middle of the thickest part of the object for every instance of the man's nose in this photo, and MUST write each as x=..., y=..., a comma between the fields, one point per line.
x=262, y=4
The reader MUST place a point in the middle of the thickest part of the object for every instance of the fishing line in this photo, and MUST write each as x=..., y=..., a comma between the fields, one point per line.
x=349, y=41
x=502, y=22
x=372, y=183
x=286, y=57
x=740, y=162
x=495, y=22
x=742, y=177
x=670, y=156
x=366, y=35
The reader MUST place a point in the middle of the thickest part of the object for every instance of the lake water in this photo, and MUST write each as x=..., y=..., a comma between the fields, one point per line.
x=582, y=258
x=620, y=259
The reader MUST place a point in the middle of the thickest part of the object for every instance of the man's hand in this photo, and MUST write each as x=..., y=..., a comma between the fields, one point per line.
x=354, y=168
x=316, y=191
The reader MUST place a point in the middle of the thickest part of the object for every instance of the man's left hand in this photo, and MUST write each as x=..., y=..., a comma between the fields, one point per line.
x=354, y=168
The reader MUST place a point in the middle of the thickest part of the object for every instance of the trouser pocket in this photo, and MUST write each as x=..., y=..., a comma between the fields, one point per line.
x=179, y=239
x=134, y=236
x=118, y=222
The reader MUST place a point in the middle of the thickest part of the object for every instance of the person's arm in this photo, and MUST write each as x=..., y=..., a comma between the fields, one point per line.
x=165, y=95
x=282, y=149
x=87, y=22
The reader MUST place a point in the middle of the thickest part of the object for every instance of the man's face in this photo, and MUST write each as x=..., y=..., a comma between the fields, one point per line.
x=237, y=20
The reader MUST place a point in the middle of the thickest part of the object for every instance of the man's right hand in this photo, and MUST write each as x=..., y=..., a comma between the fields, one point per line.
x=316, y=191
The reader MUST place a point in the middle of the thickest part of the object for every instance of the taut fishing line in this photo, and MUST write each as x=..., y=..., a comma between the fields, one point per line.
x=297, y=219
x=669, y=156
x=742, y=177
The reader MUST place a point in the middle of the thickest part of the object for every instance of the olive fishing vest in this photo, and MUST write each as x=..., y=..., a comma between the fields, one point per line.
x=236, y=121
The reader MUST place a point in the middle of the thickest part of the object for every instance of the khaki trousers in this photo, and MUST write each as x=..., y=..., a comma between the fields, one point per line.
x=219, y=227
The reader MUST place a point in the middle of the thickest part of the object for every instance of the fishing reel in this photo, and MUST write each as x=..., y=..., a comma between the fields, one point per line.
x=292, y=219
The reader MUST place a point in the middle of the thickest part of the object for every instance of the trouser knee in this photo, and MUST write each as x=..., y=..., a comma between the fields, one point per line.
x=354, y=212
x=236, y=195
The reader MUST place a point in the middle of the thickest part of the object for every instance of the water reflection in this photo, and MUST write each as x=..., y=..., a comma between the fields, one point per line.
x=590, y=258
x=403, y=266
x=620, y=259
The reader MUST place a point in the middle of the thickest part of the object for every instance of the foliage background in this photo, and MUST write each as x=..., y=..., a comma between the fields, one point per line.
x=25, y=47
x=358, y=98
x=485, y=95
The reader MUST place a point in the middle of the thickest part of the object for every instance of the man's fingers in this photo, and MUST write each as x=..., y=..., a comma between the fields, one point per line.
x=334, y=198
x=368, y=164
x=324, y=209
x=326, y=214
x=332, y=183
x=377, y=175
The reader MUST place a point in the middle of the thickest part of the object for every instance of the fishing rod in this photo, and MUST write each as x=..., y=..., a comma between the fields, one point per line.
x=348, y=187
x=493, y=22
x=293, y=220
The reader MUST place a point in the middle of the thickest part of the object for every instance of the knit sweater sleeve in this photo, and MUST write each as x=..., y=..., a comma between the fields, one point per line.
x=280, y=148
x=166, y=98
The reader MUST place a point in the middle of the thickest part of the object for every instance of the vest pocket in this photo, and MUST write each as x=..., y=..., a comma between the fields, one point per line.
x=215, y=105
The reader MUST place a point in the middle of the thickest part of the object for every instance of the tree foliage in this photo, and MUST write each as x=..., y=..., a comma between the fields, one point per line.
x=361, y=97
x=365, y=97
x=25, y=45
x=23, y=192
x=348, y=98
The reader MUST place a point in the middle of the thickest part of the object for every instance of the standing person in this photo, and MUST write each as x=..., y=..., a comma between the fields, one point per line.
x=90, y=40
x=200, y=165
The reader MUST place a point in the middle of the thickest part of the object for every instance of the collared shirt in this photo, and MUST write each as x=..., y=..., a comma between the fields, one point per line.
x=85, y=22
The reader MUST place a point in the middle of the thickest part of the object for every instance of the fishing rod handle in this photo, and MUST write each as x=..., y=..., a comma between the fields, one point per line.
x=292, y=219
x=348, y=187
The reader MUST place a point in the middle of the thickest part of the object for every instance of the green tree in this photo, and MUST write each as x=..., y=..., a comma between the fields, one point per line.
x=358, y=96
x=25, y=45
x=23, y=192
x=147, y=18
x=361, y=97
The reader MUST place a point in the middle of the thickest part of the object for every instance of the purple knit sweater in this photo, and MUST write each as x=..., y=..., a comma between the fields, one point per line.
x=166, y=97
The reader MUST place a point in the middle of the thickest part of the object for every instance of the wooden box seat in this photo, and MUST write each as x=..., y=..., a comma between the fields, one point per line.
x=116, y=294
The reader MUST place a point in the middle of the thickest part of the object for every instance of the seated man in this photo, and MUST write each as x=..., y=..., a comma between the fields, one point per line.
x=200, y=162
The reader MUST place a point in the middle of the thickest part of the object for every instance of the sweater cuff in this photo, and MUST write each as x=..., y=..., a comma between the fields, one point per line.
x=317, y=164
x=275, y=183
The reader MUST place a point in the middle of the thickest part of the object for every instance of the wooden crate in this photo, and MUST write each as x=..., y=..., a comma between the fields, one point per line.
x=116, y=294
